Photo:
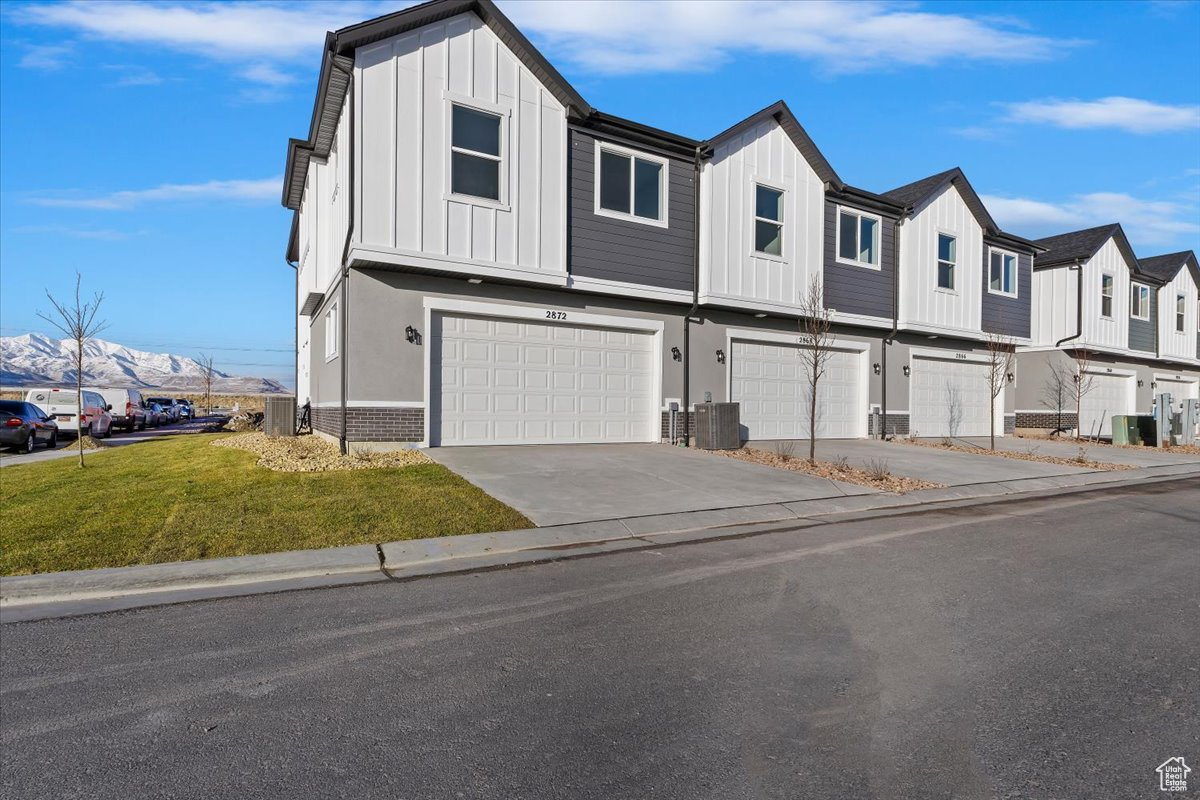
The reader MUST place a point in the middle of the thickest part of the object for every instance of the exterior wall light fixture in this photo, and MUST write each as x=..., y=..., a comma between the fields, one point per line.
x=412, y=335
x=675, y=354
x=720, y=356
x=907, y=370
x=1011, y=377
x=877, y=368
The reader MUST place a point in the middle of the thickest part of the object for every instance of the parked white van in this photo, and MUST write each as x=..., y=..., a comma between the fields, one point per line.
x=128, y=411
x=61, y=404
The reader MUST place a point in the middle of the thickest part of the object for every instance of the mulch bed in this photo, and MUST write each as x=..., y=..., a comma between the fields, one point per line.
x=880, y=478
x=1031, y=455
x=1188, y=449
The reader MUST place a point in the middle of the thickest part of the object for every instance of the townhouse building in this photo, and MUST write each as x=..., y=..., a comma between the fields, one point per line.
x=484, y=258
x=1127, y=327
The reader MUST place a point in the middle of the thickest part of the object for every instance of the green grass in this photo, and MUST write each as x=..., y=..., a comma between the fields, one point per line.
x=180, y=499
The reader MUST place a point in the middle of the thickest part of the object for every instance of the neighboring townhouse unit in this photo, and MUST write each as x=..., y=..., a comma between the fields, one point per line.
x=1127, y=328
x=483, y=258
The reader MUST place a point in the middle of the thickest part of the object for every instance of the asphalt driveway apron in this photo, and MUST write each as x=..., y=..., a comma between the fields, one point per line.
x=557, y=484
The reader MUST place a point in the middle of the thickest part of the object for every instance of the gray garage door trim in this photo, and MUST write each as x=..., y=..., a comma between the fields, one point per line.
x=641, y=340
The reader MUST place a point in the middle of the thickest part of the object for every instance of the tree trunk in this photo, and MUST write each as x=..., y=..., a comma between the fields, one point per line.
x=992, y=422
x=812, y=425
x=79, y=398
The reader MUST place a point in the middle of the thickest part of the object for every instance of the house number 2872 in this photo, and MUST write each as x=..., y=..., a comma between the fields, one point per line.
x=556, y=315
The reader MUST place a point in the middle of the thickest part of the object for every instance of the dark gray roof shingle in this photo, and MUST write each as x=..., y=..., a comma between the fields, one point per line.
x=1080, y=245
x=1165, y=267
x=912, y=193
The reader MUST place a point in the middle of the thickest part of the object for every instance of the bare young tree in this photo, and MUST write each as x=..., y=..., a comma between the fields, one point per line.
x=1001, y=354
x=816, y=348
x=1084, y=381
x=77, y=321
x=1058, y=390
x=207, y=373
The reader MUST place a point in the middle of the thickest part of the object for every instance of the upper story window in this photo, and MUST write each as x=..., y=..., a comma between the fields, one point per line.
x=1180, y=305
x=475, y=159
x=331, y=332
x=858, y=238
x=631, y=185
x=1106, y=295
x=768, y=220
x=1139, y=301
x=947, y=253
x=1002, y=273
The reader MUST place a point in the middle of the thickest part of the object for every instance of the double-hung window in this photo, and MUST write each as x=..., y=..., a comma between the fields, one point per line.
x=858, y=238
x=947, y=255
x=768, y=220
x=1139, y=301
x=331, y=332
x=1106, y=295
x=1180, y=306
x=1002, y=273
x=631, y=185
x=475, y=146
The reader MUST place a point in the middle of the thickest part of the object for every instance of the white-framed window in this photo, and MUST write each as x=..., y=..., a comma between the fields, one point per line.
x=476, y=153
x=858, y=238
x=1002, y=272
x=331, y=332
x=768, y=220
x=947, y=260
x=1180, y=312
x=631, y=185
x=1139, y=301
x=1106, y=295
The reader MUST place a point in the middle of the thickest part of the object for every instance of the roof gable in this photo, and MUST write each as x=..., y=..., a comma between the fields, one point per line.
x=919, y=192
x=1079, y=246
x=1164, y=268
x=783, y=115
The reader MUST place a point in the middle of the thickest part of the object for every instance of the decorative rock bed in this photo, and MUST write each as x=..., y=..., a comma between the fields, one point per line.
x=314, y=454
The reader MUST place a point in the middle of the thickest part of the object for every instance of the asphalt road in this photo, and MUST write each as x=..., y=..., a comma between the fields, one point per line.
x=1036, y=649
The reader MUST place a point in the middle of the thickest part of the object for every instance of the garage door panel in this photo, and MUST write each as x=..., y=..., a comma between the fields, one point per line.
x=770, y=382
x=1107, y=395
x=510, y=382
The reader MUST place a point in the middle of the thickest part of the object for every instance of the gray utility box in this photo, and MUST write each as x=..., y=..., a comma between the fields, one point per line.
x=718, y=426
x=280, y=416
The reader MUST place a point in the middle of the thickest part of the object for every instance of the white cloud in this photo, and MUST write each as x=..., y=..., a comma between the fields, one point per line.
x=611, y=36
x=1122, y=113
x=133, y=75
x=1152, y=223
x=234, y=190
x=267, y=74
x=46, y=57
x=101, y=234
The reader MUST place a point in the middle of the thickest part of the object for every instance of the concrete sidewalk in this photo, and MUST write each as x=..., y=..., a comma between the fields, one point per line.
x=61, y=594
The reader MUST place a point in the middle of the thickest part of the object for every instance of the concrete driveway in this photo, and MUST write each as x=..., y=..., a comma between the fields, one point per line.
x=1132, y=456
x=557, y=484
x=939, y=466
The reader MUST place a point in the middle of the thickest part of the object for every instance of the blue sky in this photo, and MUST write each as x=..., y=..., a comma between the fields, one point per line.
x=142, y=143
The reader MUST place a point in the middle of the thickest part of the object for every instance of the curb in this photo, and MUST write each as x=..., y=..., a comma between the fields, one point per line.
x=64, y=594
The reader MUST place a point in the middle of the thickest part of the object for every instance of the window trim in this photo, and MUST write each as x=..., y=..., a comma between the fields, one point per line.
x=1180, y=313
x=664, y=181
x=1016, y=276
x=1112, y=293
x=1134, y=291
x=453, y=99
x=755, y=219
x=837, y=238
x=937, y=263
x=332, y=332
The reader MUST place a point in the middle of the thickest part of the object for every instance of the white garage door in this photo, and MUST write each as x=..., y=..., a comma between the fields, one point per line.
x=951, y=398
x=1179, y=389
x=771, y=384
x=501, y=381
x=1108, y=395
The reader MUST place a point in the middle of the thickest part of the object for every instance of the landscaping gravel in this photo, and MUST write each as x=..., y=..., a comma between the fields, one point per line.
x=314, y=454
x=1030, y=455
x=879, y=477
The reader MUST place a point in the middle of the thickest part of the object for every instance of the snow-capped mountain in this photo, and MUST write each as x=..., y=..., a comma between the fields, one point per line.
x=33, y=359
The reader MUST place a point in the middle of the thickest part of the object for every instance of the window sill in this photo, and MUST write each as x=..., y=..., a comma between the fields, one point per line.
x=654, y=223
x=472, y=200
x=998, y=293
x=331, y=358
x=944, y=290
x=1139, y=319
x=768, y=256
x=862, y=264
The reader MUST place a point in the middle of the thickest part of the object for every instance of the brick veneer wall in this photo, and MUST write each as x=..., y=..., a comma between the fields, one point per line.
x=897, y=424
x=665, y=430
x=372, y=424
x=1044, y=419
x=1010, y=423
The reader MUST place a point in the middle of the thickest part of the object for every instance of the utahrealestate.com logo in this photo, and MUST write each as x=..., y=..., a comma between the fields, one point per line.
x=1172, y=775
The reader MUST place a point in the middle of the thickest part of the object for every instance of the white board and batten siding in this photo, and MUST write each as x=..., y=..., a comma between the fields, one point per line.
x=324, y=215
x=921, y=303
x=1173, y=343
x=730, y=269
x=405, y=86
x=1106, y=333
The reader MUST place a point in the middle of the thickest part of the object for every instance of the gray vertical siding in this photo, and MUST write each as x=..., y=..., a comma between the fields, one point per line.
x=1141, y=332
x=622, y=250
x=1008, y=315
x=859, y=290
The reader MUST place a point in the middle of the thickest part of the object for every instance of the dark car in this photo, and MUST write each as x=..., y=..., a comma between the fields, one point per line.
x=186, y=409
x=170, y=408
x=23, y=426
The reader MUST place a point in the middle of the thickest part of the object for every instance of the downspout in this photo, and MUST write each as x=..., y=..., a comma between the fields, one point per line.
x=887, y=340
x=344, y=316
x=1078, y=267
x=687, y=320
x=295, y=326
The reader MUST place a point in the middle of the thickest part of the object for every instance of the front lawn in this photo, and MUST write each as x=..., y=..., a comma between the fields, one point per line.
x=180, y=498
